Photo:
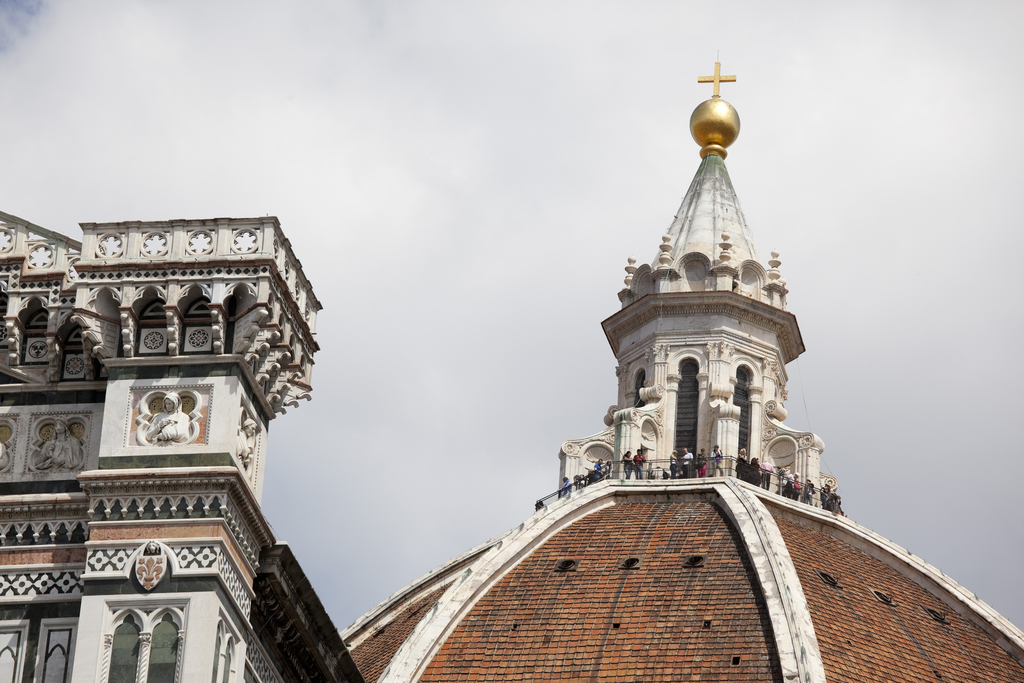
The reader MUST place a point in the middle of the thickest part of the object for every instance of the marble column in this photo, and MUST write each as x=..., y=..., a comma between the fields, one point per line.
x=703, y=414
x=756, y=422
x=668, y=440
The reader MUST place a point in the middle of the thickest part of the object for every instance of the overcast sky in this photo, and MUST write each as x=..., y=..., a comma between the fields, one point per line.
x=463, y=182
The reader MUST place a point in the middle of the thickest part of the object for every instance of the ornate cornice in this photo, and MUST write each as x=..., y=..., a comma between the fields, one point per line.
x=679, y=304
x=238, y=506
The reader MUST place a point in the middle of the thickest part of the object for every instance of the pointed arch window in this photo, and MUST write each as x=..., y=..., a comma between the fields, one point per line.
x=223, y=656
x=124, y=653
x=687, y=407
x=741, y=399
x=216, y=652
x=56, y=646
x=11, y=643
x=638, y=384
x=163, y=658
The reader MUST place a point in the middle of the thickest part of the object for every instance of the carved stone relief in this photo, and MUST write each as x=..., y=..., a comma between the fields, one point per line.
x=151, y=565
x=720, y=351
x=248, y=432
x=7, y=434
x=171, y=416
x=58, y=446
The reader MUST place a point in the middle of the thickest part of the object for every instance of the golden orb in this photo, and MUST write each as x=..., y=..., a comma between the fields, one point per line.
x=714, y=125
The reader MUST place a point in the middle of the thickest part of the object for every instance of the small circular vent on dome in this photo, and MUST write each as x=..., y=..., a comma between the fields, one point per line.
x=883, y=598
x=566, y=565
x=828, y=578
x=695, y=561
x=936, y=615
x=630, y=563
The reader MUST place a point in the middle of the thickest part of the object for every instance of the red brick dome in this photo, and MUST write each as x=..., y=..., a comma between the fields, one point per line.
x=686, y=582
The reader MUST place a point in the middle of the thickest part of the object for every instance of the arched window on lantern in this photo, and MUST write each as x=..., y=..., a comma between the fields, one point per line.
x=638, y=384
x=687, y=407
x=741, y=399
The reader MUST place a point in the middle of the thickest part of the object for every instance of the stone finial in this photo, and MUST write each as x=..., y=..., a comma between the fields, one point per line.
x=774, y=273
x=726, y=255
x=665, y=258
x=630, y=269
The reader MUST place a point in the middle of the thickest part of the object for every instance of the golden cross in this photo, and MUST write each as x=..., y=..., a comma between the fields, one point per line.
x=717, y=78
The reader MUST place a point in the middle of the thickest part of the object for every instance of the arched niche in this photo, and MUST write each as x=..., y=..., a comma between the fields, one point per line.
x=693, y=270
x=782, y=452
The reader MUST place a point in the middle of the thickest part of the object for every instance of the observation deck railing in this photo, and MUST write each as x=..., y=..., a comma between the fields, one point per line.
x=777, y=481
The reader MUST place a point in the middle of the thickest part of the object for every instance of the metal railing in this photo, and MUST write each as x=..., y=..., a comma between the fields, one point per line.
x=779, y=481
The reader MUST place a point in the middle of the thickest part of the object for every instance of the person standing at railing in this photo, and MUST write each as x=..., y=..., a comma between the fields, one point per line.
x=766, y=474
x=673, y=464
x=627, y=464
x=716, y=454
x=566, y=487
x=687, y=461
x=638, y=463
x=808, y=496
x=747, y=469
x=702, y=465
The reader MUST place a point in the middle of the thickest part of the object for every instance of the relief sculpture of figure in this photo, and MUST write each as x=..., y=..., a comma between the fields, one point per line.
x=246, y=441
x=168, y=427
x=63, y=451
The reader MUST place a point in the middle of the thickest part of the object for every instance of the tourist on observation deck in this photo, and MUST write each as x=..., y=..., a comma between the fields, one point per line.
x=638, y=463
x=687, y=461
x=718, y=457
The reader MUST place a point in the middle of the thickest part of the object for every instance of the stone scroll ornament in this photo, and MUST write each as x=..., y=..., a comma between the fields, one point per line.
x=63, y=451
x=169, y=427
x=151, y=565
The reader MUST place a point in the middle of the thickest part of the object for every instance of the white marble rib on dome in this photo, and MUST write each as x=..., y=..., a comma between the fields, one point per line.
x=709, y=209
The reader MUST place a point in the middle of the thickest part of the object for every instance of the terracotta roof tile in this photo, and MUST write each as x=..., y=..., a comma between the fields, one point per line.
x=863, y=639
x=604, y=623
